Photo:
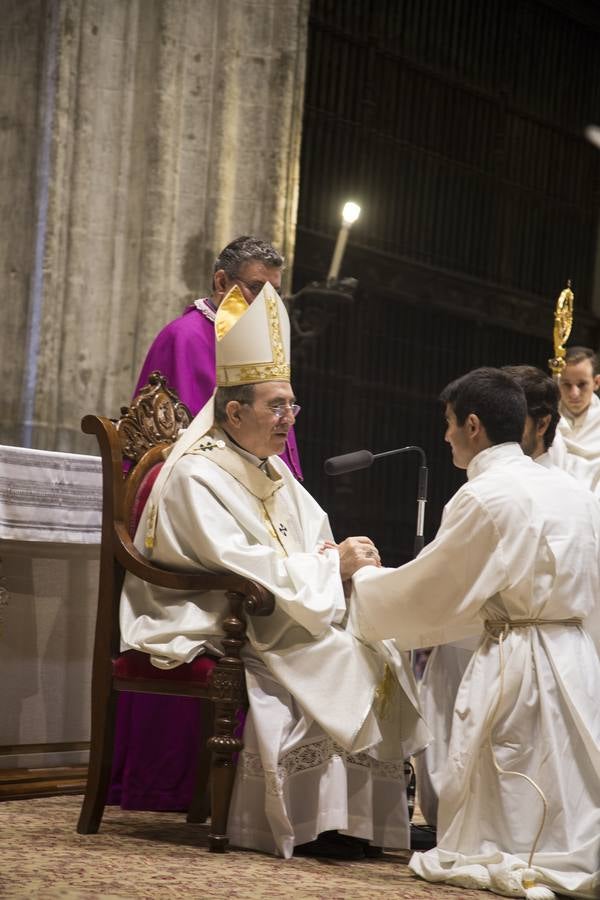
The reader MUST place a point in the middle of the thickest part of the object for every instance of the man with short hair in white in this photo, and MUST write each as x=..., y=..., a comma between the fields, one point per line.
x=541, y=421
x=577, y=445
x=517, y=554
x=447, y=663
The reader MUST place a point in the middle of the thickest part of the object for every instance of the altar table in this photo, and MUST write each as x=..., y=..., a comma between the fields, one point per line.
x=50, y=519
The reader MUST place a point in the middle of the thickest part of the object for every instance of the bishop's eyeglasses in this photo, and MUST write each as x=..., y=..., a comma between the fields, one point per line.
x=283, y=409
x=278, y=410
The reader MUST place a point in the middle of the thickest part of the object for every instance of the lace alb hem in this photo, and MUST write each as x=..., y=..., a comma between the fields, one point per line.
x=311, y=756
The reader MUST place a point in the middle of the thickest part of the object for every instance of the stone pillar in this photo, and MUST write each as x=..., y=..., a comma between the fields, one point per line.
x=139, y=137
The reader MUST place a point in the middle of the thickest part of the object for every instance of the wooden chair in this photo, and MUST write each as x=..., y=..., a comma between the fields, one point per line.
x=146, y=428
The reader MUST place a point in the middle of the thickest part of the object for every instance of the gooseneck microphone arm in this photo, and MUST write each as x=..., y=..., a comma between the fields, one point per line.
x=363, y=459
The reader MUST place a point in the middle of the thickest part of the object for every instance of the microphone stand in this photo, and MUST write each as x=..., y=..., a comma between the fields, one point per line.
x=363, y=459
x=421, y=492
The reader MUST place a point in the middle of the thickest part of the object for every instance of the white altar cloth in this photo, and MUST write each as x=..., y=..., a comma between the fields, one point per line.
x=47, y=496
x=50, y=519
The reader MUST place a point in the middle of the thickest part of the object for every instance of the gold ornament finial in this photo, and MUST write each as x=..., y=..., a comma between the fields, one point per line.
x=563, y=322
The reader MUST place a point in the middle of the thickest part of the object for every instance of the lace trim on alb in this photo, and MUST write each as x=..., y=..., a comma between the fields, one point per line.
x=311, y=756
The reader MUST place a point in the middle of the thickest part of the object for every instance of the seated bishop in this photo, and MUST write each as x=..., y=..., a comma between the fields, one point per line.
x=331, y=718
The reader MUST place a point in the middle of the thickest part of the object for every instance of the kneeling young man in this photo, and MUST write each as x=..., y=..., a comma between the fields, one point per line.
x=517, y=552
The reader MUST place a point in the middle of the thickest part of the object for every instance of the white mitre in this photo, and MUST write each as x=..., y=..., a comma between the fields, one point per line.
x=252, y=345
x=253, y=342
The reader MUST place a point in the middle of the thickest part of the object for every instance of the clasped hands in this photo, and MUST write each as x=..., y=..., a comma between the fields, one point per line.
x=355, y=552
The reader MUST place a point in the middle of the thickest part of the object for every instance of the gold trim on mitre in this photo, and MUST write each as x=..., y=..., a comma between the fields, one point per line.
x=253, y=343
x=232, y=375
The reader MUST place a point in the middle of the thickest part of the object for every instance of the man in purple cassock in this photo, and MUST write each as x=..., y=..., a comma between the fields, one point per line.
x=157, y=737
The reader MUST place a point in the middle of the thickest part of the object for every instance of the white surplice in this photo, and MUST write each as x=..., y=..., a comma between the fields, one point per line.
x=517, y=541
x=321, y=751
x=576, y=447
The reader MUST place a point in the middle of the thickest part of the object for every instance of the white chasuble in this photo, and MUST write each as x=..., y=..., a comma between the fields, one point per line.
x=518, y=541
x=315, y=695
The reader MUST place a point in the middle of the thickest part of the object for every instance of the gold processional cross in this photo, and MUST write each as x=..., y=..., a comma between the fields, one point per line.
x=563, y=322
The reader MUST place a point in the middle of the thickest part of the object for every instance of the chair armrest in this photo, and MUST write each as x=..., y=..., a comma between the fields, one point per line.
x=256, y=599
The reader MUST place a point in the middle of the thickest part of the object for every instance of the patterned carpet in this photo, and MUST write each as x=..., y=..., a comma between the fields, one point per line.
x=158, y=855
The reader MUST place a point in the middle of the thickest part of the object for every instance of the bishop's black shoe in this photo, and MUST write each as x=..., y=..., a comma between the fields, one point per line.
x=333, y=845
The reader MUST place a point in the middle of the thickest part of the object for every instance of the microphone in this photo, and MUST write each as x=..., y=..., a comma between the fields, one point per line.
x=348, y=462
x=363, y=459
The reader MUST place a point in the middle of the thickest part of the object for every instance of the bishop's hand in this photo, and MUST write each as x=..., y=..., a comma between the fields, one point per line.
x=355, y=552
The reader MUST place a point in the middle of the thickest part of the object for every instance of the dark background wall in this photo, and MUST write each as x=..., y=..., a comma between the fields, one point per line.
x=458, y=127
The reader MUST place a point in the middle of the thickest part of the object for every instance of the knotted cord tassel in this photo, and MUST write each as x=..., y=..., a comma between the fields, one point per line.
x=535, y=891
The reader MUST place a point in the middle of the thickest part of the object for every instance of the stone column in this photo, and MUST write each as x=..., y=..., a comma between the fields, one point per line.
x=140, y=136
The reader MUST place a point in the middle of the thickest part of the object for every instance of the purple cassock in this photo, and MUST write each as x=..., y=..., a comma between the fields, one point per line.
x=158, y=737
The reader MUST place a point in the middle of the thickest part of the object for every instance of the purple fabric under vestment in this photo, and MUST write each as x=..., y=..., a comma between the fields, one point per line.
x=158, y=737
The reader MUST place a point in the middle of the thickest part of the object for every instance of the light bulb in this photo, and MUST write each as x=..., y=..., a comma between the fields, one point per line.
x=350, y=212
x=592, y=133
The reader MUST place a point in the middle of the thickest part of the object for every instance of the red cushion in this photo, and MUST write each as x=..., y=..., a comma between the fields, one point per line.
x=136, y=665
x=141, y=496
